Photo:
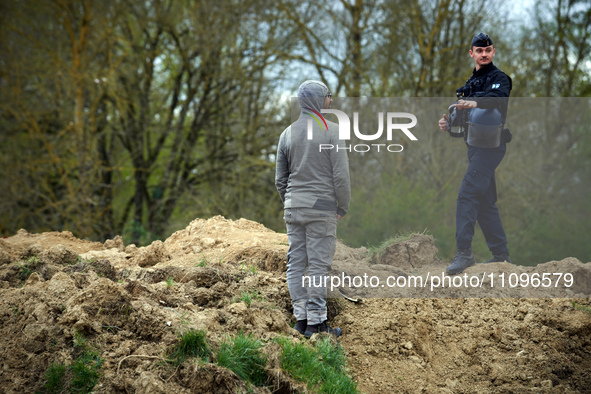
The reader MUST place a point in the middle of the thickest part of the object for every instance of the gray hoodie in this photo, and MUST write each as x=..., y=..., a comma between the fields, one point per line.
x=307, y=177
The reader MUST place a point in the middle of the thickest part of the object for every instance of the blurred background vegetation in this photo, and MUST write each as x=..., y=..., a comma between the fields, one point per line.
x=135, y=117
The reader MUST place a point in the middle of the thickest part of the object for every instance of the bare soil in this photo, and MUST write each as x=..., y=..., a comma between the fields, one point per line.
x=130, y=303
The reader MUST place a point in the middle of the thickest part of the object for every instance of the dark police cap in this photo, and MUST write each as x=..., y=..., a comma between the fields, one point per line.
x=482, y=40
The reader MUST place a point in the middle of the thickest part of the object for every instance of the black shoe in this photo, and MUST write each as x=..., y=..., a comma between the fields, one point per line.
x=322, y=327
x=300, y=326
x=464, y=259
x=499, y=258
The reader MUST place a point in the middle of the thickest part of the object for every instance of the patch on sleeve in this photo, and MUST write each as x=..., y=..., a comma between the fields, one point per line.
x=496, y=85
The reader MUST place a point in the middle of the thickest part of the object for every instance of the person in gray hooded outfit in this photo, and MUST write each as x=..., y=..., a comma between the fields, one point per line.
x=315, y=189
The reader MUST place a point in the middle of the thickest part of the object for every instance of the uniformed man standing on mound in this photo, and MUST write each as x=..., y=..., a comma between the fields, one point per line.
x=481, y=111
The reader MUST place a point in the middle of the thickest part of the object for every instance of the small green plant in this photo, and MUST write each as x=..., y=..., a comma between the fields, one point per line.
x=191, y=343
x=331, y=354
x=82, y=260
x=252, y=268
x=324, y=366
x=202, y=262
x=86, y=367
x=170, y=282
x=26, y=268
x=125, y=309
x=24, y=272
x=580, y=307
x=185, y=320
x=242, y=355
x=16, y=311
x=85, y=372
x=81, y=344
x=54, y=377
x=249, y=296
x=79, y=377
x=33, y=260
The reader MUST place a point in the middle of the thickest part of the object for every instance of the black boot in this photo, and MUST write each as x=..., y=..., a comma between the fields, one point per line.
x=499, y=258
x=322, y=327
x=464, y=259
x=300, y=326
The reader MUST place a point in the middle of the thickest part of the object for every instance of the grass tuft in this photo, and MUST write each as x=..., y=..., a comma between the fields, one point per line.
x=331, y=354
x=54, y=377
x=26, y=268
x=252, y=267
x=79, y=377
x=86, y=368
x=323, y=367
x=249, y=296
x=191, y=343
x=85, y=373
x=580, y=307
x=242, y=355
x=376, y=251
x=170, y=282
x=299, y=360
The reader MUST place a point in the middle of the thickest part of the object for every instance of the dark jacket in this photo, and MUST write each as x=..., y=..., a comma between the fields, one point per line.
x=490, y=87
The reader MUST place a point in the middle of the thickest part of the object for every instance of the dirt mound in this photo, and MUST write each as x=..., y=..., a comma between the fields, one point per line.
x=24, y=244
x=468, y=345
x=226, y=240
x=227, y=277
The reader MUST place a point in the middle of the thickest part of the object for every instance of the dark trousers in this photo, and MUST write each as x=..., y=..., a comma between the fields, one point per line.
x=477, y=201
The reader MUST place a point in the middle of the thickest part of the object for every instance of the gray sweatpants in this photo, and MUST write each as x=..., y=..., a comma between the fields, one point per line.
x=312, y=238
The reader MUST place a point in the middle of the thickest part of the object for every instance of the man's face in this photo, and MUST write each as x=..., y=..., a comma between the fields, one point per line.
x=482, y=55
x=327, y=101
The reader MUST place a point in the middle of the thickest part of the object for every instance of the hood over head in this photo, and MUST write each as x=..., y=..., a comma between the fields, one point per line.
x=311, y=94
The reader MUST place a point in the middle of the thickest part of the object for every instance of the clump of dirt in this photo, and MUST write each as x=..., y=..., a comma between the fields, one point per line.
x=237, y=242
x=418, y=252
x=227, y=277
